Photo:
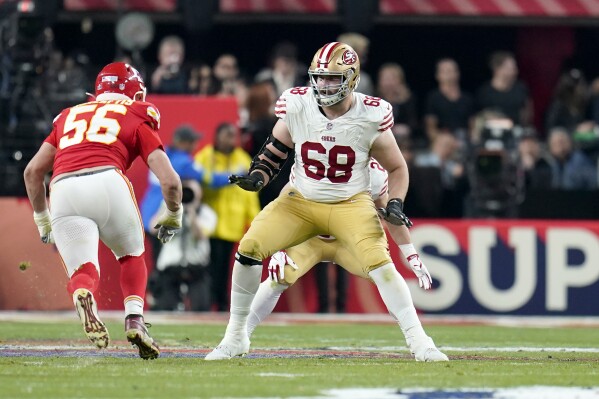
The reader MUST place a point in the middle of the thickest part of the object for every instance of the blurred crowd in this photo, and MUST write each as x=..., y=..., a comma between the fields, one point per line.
x=470, y=154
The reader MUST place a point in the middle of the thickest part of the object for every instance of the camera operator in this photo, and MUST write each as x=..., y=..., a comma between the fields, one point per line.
x=495, y=175
x=170, y=77
x=181, y=274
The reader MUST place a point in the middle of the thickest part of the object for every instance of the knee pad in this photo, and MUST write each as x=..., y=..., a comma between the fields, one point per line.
x=246, y=260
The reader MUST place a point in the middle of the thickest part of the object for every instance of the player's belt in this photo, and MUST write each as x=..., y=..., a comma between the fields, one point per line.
x=92, y=172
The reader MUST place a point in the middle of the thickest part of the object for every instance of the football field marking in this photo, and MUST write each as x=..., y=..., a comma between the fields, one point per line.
x=11, y=350
x=470, y=349
x=284, y=375
x=280, y=318
x=536, y=392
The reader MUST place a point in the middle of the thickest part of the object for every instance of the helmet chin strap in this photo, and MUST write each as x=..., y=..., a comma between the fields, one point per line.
x=357, y=83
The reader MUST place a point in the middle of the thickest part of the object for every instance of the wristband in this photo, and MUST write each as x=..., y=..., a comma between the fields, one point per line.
x=397, y=200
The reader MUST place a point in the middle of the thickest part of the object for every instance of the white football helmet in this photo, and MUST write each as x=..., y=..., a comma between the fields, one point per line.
x=334, y=59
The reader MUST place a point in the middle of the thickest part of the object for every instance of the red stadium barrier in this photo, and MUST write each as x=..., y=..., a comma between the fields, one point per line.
x=278, y=6
x=202, y=113
x=226, y=6
x=113, y=5
x=500, y=8
x=490, y=8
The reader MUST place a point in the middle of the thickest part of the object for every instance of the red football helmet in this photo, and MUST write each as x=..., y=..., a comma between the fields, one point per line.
x=121, y=78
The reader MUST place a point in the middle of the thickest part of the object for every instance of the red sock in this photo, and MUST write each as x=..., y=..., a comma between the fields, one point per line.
x=134, y=276
x=85, y=277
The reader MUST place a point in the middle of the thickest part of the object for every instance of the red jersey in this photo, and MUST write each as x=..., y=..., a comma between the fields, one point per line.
x=111, y=132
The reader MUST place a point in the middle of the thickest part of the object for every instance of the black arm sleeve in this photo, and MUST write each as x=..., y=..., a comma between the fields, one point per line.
x=268, y=161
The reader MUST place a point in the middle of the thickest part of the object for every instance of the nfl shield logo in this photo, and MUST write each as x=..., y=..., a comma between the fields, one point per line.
x=329, y=126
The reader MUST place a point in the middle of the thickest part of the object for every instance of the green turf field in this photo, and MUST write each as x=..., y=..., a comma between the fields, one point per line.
x=52, y=360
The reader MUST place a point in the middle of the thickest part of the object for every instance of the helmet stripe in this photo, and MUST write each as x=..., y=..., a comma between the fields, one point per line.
x=325, y=53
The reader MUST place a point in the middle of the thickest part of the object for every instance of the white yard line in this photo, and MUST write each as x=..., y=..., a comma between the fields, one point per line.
x=536, y=392
x=468, y=349
x=331, y=348
x=301, y=318
x=284, y=375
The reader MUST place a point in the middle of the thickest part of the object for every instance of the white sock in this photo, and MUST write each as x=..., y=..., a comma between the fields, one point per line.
x=134, y=305
x=266, y=298
x=246, y=280
x=396, y=295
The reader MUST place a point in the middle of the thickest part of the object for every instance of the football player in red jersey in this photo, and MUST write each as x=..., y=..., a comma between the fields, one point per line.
x=89, y=149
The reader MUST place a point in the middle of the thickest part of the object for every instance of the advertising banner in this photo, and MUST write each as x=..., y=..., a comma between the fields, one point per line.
x=509, y=266
x=479, y=267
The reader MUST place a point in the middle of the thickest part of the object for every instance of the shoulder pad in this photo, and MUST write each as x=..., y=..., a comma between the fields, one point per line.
x=376, y=110
x=154, y=115
x=292, y=100
x=58, y=116
x=149, y=113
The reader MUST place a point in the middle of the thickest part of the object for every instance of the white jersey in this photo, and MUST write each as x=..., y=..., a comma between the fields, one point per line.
x=332, y=156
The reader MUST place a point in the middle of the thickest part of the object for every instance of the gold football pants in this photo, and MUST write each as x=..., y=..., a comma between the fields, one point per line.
x=291, y=219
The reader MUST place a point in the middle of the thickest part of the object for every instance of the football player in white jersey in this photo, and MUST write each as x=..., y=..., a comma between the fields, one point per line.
x=286, y=267
x=334, y=131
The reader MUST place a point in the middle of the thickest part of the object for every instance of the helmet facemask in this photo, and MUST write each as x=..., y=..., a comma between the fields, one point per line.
x=331, y=94
x=141, y=94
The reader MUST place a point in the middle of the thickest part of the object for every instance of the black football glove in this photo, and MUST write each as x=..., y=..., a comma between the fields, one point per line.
x=252, y=182
x=393, y=213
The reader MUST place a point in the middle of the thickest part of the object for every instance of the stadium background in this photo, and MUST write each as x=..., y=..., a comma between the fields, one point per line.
x=546, y=36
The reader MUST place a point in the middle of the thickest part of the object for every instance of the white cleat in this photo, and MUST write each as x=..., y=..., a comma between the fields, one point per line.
x=432, y=355
x=87, y=310
x=426, y=351
x=230, y=347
